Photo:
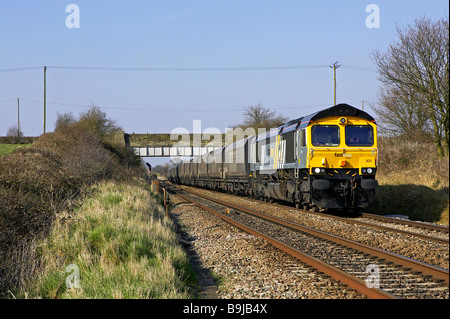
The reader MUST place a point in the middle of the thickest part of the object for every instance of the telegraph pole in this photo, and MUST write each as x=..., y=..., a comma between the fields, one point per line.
x=45, y=102
x=18, y=120
x=334, y=67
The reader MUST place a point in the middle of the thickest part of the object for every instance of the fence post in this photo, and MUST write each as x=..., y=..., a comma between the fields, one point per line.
x=166, y=202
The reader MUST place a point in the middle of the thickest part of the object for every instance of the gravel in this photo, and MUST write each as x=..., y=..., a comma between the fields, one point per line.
x=409, y=246
x=245, y=266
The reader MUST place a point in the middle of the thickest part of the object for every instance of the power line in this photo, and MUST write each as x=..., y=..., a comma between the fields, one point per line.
x=160, y=109
x=9, y=100
x=187, y=69
x=358, y=68
x=191, y=69
x=21, y=69
x=171, y=69
x=185, y=109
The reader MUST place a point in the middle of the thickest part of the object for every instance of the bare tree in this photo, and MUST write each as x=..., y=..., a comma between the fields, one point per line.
x=14, y=135
x=401, y=113
x=415, y=70
x=257, y=116
x=14, y=132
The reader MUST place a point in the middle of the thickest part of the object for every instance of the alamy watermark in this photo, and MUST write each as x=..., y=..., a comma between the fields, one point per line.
x=212, y=138
x=373, y=280
x=373, y=19
x=73, y=19
x=73, y=280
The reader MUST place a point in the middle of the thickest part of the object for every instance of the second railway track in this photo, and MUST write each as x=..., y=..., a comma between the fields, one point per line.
x=425, y=245
x=426, y=231
x=399, y=276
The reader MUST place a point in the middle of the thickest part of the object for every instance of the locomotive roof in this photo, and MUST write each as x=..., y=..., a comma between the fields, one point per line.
x=337, y=110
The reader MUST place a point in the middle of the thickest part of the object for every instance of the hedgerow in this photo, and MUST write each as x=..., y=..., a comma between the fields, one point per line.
x=50, y=177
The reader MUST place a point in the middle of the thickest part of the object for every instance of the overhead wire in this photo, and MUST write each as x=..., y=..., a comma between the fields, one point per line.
x=187, y=69
x=165, y=109
x=21, y=69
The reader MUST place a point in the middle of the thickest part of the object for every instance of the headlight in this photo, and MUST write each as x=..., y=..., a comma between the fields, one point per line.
x=318, y=170
x=367, y=170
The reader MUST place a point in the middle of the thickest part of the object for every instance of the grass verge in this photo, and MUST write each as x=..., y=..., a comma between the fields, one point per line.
x=10, y=148
x=120, y=244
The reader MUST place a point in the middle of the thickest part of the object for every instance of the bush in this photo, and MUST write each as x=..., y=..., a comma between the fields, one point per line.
x=97, y=122
x=40, y=182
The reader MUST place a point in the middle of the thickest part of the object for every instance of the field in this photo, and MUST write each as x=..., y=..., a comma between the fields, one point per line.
x=9, y=148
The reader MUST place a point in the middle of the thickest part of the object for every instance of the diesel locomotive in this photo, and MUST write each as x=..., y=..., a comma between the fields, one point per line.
x=327, y=159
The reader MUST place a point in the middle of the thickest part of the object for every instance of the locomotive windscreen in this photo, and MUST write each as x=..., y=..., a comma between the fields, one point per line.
x=325, y=135
x=359, y=135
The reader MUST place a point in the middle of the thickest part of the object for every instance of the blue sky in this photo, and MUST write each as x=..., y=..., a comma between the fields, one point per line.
x=183, y=37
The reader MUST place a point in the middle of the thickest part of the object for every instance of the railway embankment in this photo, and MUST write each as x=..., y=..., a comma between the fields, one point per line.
x=78, y=221
x=118, y=244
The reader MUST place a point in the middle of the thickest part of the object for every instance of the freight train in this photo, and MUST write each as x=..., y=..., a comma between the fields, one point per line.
x=327, y=159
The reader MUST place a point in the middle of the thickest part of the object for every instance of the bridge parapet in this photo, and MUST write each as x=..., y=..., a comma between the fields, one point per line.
x=173, y=145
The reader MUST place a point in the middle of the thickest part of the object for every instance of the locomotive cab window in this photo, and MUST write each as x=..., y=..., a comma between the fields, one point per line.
x=325, y=135
x=289, y=147
x=302, y=138
x=359, y=135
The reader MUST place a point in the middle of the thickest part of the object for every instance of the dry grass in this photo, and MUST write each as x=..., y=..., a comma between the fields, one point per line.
x=413, y=181
x=124, y=248
x=411, y=162
x=39, y=182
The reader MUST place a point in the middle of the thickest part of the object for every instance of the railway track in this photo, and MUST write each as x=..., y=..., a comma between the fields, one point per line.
x=415, y=224
x=426, y=231
x=349, y=262
x=434, y=232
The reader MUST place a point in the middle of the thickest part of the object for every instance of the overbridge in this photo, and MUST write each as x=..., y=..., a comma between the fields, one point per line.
x=174, y=145
x=159, y=145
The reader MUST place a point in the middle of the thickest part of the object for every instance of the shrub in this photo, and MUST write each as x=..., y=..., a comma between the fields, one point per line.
x=97, y=122
x=50, y=177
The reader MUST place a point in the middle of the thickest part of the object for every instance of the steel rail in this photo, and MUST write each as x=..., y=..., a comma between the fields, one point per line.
x=345, y=278
x=438, y=228
x=386, y=228
x=400, y=231
x=427, y=269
